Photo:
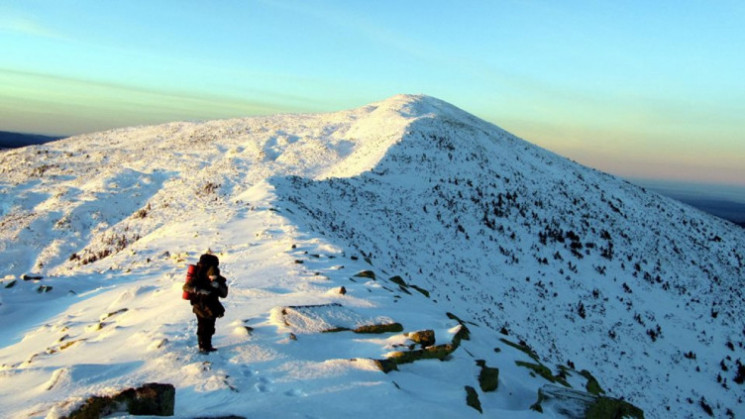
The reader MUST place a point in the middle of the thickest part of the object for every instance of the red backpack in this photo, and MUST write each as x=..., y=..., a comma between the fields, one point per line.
x=191, y=274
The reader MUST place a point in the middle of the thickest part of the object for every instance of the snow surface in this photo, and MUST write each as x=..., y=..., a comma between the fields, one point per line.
x=517, y=242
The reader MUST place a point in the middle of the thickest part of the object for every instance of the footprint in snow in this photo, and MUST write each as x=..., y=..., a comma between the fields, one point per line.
x=263, y=386
x=295, y=393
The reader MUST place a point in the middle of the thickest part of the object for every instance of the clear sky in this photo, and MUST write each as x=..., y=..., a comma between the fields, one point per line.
x=647, y=89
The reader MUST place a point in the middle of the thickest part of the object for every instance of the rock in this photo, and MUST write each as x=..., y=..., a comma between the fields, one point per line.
x=575, y=403
x=523, y=347
x=544, y=372
x=421, y=290
x=423, y=337
x=472, y=398
x=462, y=334
x=365, y=274
x=113, y=313
x=433, y=352
x=380, y=328
x=607, y=408
x=400, y=282
x=151, y=399
x=43, y=289
x=386, y=365
x=332, y=318
x=488, y=377
x=592, y=385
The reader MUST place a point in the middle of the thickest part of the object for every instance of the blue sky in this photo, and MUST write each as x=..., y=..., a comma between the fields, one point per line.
x=636, y=88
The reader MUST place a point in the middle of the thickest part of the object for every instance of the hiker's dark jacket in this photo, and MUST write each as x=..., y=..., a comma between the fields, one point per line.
x=205, y=296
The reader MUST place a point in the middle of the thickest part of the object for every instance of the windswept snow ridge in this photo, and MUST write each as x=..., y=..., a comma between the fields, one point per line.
x=408, y=212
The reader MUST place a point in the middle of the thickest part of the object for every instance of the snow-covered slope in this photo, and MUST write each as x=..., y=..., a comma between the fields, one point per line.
x=460, y=223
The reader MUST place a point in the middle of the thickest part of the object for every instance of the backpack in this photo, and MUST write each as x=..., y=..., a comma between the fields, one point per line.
x=191, y=274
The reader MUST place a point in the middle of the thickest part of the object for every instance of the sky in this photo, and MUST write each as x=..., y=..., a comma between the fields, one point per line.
x=648, y=90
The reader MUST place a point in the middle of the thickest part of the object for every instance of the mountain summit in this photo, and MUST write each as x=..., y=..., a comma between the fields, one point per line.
x=507, y=280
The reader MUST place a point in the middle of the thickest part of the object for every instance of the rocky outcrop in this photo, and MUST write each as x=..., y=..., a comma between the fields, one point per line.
x=472, y=399
x=151, y=399
x=575, y=403
x=488, y=377
x=425, y=338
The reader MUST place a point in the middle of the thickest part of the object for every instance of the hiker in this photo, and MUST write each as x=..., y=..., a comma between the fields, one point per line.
x=205, y=290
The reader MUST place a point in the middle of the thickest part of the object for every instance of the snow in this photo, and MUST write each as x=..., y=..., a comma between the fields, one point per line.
x=296, y=207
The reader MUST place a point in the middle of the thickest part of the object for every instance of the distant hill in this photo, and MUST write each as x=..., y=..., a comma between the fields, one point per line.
x=721, y=200
x=15, y=140
x=732, y=211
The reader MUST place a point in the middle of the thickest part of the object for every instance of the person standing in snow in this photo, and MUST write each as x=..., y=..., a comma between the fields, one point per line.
x=206, y=289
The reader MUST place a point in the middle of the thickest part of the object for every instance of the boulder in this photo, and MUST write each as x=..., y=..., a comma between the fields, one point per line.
x=151, y=399
x=423, y=337
x=472, y=398
x=575, y=403
x=488, y=377
x=380, y=328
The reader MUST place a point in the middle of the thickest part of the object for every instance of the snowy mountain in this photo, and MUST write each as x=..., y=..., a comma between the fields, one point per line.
x=552, y=290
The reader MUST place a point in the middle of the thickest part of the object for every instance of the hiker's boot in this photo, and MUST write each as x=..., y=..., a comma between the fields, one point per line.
x=208, y=345
x=203, y=346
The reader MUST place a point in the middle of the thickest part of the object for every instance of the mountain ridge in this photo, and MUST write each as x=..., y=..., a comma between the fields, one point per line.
x=585, y=268
x=570, y=246
x=16, y=139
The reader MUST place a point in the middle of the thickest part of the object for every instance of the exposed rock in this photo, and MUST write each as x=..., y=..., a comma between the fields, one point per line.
x=607, y=408
x=488, y=377
x=380, y=328
x=423, y=337
x=433, y=352
x=575, y=403
x=365, y=274
x=565, y=401
x=462, y=334
x=114, y=313
x=333, y=318
x=523, y=347
x=592, y=385
x=543, y=371
x=421, y=290
x=400, y=282
x=386, y=365
x=151, y=399
x=472, y=399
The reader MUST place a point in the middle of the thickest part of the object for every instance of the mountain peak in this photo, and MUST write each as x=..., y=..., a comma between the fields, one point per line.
x=407, y=213
x=419, y=105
